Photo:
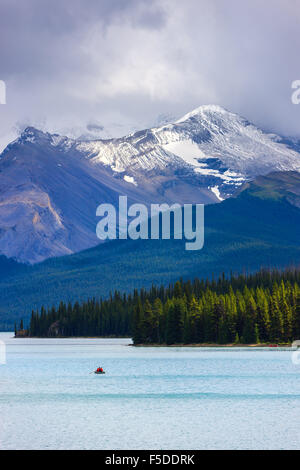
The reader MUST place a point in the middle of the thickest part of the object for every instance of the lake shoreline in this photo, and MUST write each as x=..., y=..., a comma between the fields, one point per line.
x=163, y=345
x=24, y=334
x=213, y=345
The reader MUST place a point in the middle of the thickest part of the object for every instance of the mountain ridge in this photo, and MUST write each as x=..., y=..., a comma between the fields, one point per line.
x=51, y=185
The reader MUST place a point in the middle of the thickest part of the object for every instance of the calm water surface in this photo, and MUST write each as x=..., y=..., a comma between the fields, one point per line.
x=150, y=398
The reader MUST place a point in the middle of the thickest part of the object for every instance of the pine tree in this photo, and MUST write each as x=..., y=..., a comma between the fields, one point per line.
x=138, y=316
x=157, y=314
x=296, y=316
x=148, y=324
x=175, y=321
x=223, y=326
x=177, y=290
x=263, y=315
x=276, y=328
x=193, y=331
x=249, y=332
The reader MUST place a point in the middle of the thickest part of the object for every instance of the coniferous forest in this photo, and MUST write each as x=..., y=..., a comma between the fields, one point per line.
x=257, y=308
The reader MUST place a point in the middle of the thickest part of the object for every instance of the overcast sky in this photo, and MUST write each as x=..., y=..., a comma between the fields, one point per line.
x=74, y=66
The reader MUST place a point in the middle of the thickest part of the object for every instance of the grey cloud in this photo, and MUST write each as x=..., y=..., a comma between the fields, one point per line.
x=94, y=127
x=37, y=35
x=68, y=64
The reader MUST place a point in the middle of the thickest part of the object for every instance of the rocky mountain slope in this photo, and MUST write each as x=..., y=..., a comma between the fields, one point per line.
x=50, y=186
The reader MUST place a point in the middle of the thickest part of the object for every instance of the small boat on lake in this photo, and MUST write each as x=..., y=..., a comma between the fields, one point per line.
x=98, y=372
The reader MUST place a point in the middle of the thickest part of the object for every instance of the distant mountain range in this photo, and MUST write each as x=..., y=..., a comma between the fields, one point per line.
x=259, y=227
x=50, y=186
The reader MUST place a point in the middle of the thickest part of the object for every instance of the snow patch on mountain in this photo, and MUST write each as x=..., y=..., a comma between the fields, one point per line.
x=188, y=150
x=215, y=190
x=130, y=179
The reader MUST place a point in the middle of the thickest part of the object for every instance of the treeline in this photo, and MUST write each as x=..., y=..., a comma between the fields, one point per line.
x=258, y=308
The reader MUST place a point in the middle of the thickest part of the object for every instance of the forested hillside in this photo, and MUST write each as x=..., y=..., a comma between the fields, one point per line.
x=264, y=307
x=258, y=228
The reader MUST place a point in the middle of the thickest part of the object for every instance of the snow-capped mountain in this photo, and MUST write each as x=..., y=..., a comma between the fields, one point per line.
x=50, y=185
x=209, y=141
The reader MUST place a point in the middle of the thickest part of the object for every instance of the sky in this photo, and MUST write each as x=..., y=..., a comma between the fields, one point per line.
x=102, y=68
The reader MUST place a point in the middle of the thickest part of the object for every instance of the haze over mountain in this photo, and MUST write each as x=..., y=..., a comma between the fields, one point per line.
x=51, y=185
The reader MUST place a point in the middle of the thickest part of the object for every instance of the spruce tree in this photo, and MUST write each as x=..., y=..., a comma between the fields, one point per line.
x=148, y=324
x=138, y=316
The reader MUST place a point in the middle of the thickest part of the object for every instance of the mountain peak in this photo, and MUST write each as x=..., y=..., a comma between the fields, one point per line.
x=204, y=109
x=31, y=134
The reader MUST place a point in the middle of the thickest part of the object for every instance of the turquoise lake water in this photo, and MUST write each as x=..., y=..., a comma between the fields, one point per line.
x=150, y=398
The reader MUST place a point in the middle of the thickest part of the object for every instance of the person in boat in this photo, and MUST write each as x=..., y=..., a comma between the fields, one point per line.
x=100, y=369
